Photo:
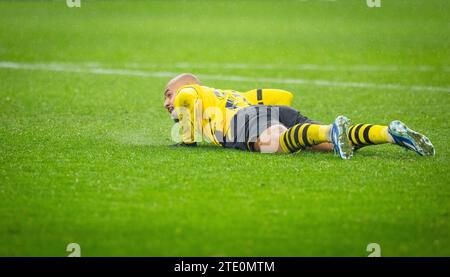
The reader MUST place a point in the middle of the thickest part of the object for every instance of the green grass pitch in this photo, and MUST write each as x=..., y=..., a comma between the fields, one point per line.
x=85, y=157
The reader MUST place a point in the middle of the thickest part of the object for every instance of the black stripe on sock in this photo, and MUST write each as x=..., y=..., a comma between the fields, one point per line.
x=259, y=96
x=286, y=143
x=358, y=140
x=366, y=134
x=305, y=135
x=288, y=138
x=350, y=134
x=297, y=142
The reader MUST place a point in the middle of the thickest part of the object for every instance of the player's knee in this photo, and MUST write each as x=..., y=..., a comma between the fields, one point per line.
x=269, y=139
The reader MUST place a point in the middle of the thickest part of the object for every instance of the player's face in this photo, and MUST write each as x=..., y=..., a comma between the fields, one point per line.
x=169, y=98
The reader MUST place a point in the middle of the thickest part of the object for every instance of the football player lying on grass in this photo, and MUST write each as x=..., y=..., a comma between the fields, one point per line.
x=262, y=120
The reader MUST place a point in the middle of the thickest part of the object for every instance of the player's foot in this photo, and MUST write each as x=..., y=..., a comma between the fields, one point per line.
x=410, y=139
x=342, y=144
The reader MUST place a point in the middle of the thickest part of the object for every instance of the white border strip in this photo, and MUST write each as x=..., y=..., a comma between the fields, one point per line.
x=93, y=69
x=268, y=67
x=297, y=67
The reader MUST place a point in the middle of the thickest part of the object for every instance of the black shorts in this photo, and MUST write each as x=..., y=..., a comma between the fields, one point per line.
x=248, y=123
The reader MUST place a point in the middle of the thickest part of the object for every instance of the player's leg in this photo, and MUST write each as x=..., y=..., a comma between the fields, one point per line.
x=277, y=120
x=323, y=147
x=290, y=117
x=369, y=134
x=396, y=133
x=278, y=138
x=269, y=140
x=305, y=135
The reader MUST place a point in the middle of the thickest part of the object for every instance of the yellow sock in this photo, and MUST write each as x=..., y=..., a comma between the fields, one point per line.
x=303, y=135
x=367, y=134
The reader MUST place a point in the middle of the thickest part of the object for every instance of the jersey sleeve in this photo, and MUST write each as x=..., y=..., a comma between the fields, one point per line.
x=269, y=97
x=185, y=105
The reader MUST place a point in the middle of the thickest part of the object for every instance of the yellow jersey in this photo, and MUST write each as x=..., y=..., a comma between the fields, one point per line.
x=206, y=113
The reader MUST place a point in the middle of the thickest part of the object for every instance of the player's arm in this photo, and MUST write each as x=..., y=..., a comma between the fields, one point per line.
x=185, y=105
x=269, y=97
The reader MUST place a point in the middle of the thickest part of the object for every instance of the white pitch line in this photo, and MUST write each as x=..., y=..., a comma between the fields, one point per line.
x=299, y=67
x=249, y=66
x=163, y=74
x=93, y=70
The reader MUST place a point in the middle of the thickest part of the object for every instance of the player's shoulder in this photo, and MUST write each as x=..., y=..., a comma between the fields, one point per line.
x=189, y=89
x=186, y=93
x=194, y=89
